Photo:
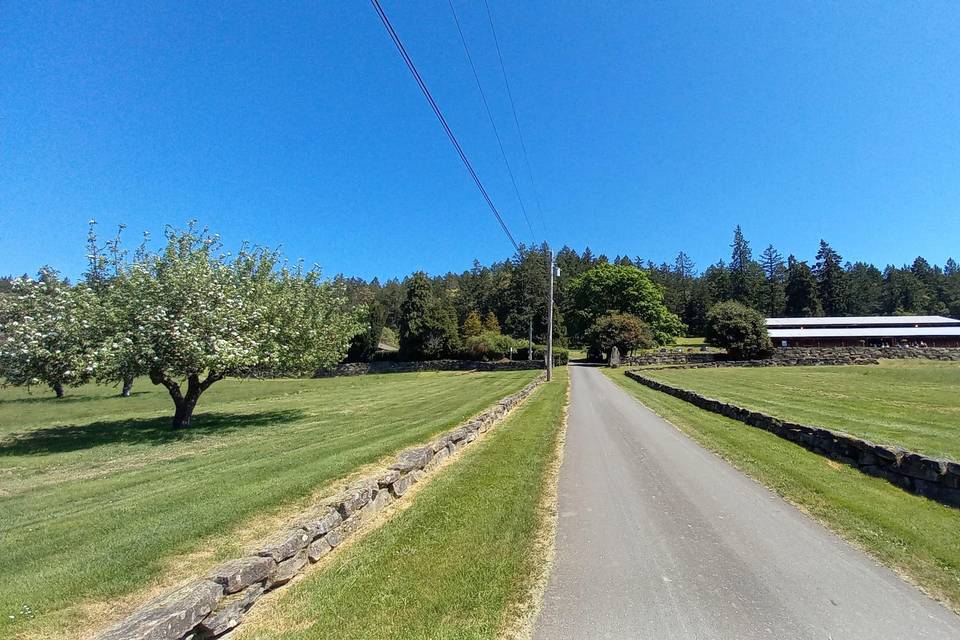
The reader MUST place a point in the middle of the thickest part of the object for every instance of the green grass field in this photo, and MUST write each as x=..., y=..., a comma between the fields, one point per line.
x=911, y=403
x=456, y=563
x=98, y=498
x=915, y=536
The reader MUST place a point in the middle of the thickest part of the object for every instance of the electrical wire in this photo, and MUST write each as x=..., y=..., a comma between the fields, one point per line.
x=443, y=121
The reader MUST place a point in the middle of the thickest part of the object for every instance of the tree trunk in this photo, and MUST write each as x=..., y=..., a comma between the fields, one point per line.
x=127, y=386
x=58, y=389
x=185, y=403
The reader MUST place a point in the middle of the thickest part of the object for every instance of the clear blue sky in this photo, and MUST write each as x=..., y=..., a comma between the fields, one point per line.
x=651, y=127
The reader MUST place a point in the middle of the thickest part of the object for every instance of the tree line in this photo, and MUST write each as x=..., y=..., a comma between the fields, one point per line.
x=514, y=290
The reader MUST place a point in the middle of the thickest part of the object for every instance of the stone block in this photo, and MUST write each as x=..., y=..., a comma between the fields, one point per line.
x=437, y=459
x=170, y=616
x=318, y=548
x=229, y=613
x=320, y=521
x=336, y=537
x=415, y=458
x=402, y=485
x=351, y=501
x=284, y=571
x=458, y=434
x=916, y=466
x=285, y=544
x=387, y=478
x=236, y=575
x=381, y=499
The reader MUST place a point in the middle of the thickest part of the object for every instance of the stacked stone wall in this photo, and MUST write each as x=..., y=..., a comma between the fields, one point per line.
x=386, y=366
x=934, y=478
x=214, y=605
x=925, y=353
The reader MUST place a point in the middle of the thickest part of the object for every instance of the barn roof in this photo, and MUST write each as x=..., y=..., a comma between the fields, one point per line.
x=862, y=321
x=867, y=332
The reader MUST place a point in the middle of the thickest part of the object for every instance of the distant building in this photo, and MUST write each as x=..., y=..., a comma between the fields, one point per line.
x=871, y=331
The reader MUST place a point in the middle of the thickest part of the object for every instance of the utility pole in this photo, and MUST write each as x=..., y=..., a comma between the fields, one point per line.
x=550, y=319
x=530, y=340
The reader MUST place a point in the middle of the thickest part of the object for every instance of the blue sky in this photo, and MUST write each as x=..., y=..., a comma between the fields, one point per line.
x=651, y=128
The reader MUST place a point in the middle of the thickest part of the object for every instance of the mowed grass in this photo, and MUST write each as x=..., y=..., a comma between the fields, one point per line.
x=458, y=563
x=911, y=403
x=98, y=496
x=915, y=536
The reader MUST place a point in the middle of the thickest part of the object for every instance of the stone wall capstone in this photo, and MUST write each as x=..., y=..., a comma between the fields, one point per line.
x=930, y=477
x=216, y=604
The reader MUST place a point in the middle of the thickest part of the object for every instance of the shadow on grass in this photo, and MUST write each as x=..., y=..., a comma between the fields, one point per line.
x=152, y=431
x=70, y=398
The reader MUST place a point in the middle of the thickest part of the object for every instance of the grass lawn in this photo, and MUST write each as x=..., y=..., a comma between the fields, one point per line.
x=911, y=403
x=915, y=536
x=98, y=498
x=682, y=341
x=456, y=563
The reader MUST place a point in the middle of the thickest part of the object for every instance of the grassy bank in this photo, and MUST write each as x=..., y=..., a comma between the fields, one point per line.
x=911, y=403
x=913, y=535
x=98, y=498
x=453, y=565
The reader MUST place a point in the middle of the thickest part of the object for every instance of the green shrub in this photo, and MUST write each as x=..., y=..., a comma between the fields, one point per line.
x=624, y=331
x=739, y=329
x=561, y=355
x=490, y=345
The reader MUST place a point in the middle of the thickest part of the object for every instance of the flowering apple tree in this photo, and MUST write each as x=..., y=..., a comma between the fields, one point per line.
x=48, y=333
x=189, y=315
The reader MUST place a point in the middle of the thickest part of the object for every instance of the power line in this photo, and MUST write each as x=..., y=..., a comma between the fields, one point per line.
x=516, y=120
x=493, y=124
x=443, y=121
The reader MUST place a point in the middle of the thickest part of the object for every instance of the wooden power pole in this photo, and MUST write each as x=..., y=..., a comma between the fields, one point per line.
x=550, y=318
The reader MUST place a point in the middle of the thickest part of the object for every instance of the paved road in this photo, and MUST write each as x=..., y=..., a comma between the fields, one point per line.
x=658, y=538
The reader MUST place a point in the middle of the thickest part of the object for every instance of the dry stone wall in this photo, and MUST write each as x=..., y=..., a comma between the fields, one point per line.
x=386, y=366
x=919, y=474
x=797, y=357
x=925, y=353
x=215, y=604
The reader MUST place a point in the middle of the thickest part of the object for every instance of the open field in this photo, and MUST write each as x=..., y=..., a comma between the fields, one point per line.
x=689, y=341
x=98, y=498
x=455, y=564
x=915, y=536
x=911, y=403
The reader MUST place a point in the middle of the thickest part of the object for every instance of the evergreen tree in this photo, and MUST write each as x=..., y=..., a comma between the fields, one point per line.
x=490, y=323
x=773, y=297
x=801, y=290
x=743, y=270
x=831, y=281
x=472, y=326
x=864, y=289
x=428, y=323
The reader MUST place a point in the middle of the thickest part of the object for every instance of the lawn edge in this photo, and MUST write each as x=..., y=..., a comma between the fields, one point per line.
x=521, y=615
x=366, y=520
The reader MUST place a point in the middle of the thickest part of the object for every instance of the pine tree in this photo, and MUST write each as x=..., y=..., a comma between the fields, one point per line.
x=802, y=300
x=831, y=280
x=773, y=296
x=490, y=323
x=472, y=326
x=745, y=274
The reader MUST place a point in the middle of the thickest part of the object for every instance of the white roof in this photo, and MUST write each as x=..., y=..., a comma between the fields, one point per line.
x=867, y=332
x=864, y=321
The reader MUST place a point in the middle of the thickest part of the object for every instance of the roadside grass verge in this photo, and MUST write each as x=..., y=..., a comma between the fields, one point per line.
x=459, y=562
x=911, y=403
x=913, y=535
x=99, y=499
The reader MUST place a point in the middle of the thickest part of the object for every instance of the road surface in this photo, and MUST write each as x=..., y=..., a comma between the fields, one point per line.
x=659, y=538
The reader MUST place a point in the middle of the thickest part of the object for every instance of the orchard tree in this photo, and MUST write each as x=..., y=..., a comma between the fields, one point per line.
x=624, y=331
x=189, y=316
x=608, y=288
x=48, y=333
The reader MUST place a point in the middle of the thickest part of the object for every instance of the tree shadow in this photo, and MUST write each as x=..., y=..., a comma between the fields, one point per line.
x=150, y=431
x=70, y=398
